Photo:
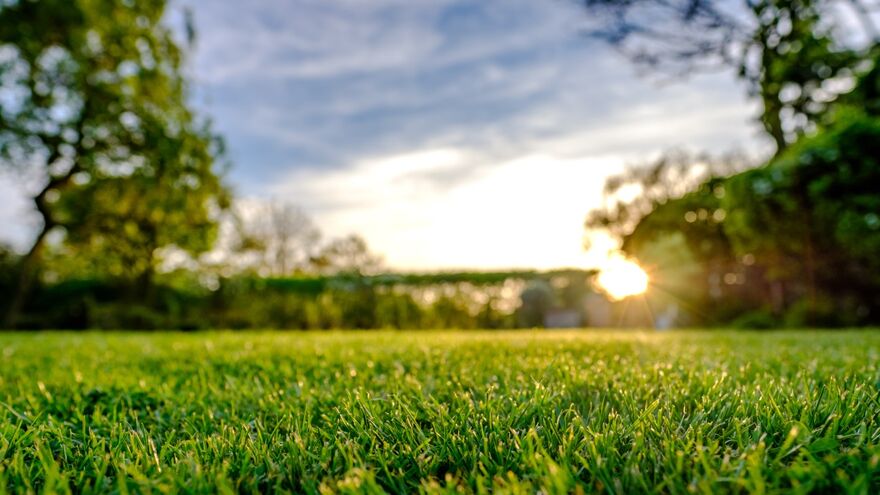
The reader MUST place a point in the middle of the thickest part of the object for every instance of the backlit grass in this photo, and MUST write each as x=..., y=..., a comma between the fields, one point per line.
x=465, y=412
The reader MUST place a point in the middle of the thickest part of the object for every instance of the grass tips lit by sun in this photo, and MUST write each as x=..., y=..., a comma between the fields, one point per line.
x=516, y=412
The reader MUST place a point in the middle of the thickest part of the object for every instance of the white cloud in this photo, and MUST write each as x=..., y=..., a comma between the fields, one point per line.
x=515, y=203
x=333, y=38
x=526, y=212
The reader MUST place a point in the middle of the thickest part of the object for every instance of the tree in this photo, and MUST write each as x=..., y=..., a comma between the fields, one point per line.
x=683, y=243
x=795, y=238
x=768, y=242
x=667, y=215
x=536, y=299
x=271, y=238
x=633, y=194
x=811, y=217
x=96, y=105
x=347, y=255
x=791, y=53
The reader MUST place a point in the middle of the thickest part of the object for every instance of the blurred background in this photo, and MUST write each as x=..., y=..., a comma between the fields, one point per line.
x=320, y=164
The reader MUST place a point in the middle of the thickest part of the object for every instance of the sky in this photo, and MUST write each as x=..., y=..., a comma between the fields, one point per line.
x=448, y=133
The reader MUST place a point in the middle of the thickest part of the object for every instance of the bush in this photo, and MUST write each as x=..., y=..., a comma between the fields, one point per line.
x=808, y=313
x=761, y=319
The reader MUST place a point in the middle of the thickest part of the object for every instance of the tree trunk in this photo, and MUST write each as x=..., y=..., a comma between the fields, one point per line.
x=28, y=265
x=26, y=276
x=771, y=116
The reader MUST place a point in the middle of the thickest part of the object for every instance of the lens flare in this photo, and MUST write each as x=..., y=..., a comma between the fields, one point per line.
x=621, y=278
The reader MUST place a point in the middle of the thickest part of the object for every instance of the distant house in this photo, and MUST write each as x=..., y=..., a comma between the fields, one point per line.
x=563, y=318
x=599, y=311
x=668, y=318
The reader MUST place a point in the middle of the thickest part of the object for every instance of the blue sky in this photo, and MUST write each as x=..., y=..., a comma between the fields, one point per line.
x=449, y=133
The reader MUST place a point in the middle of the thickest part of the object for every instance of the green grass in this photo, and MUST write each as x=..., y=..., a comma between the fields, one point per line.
x=433, y=412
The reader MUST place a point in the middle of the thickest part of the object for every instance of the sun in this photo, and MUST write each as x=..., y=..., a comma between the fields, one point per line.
x=621, y=278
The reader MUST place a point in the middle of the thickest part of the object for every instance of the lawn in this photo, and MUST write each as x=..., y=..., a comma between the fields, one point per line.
x=616, y=412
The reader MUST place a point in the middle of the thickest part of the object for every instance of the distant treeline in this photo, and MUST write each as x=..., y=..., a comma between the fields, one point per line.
x=462, y=300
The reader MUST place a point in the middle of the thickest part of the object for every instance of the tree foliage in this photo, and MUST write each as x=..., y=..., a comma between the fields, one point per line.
x=790, y=241
x=820, y=200
x=636, y=192
x=797, y=237
x=796, y=56
x=95, y=105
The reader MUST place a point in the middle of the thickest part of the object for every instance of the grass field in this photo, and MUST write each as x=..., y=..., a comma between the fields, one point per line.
x=460, y=412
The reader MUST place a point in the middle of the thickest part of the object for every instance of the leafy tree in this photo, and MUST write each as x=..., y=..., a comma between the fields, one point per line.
x=95, y=103
x=797, y=236
x=820, y=201
x=778, y=237
x=688, y=251
x=792, y=54
x=536, y=299
x=630, y=196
